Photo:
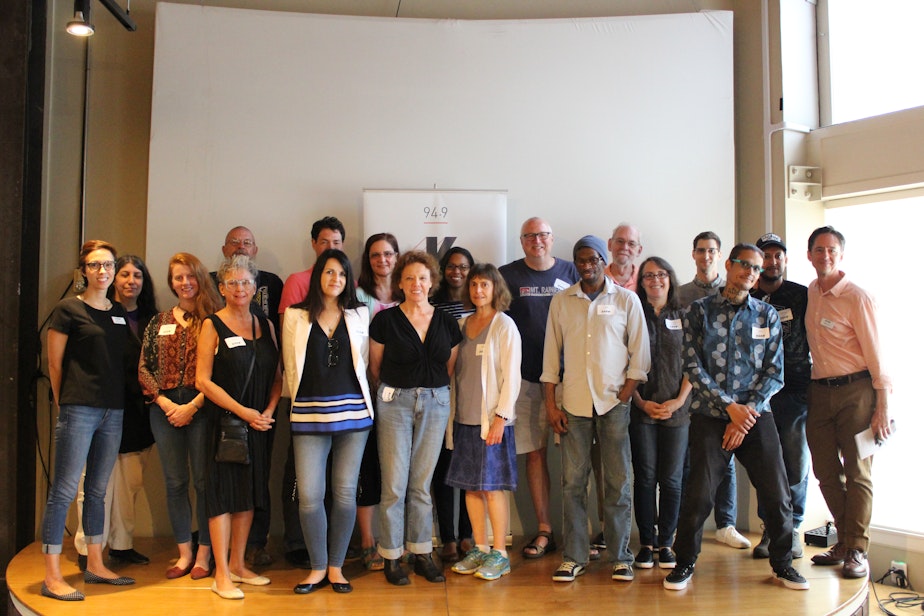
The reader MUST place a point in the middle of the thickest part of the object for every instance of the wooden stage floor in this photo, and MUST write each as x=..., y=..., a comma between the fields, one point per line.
x=727, y=581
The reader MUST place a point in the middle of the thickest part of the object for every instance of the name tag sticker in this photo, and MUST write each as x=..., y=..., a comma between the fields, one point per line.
x=479, y=350
x=560, y=284
x=167, y=329
x=674, y=324
x=606, y=310
x=828, y=323
x=760, y=333
x=118, y=320
x=234, y=341
x=785, y=314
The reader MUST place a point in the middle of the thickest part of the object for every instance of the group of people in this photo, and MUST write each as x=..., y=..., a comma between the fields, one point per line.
x=417, y=377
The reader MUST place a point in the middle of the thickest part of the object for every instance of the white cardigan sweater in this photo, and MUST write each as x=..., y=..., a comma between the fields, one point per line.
x=296, y=327
x=500, y=375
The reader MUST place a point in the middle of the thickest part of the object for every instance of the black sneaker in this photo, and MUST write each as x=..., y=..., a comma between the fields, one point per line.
x=792, y=579
x=762, y=549
x=666, y=558
x=677, y=579
x=645, y=558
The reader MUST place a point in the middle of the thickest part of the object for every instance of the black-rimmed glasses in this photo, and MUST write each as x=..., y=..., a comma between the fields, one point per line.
x=757, y=269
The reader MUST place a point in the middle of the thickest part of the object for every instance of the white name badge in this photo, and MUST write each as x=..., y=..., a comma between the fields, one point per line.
x=760, y=333
x=828, y=323
x=674, y=324
x=560, y=284
x=234, y=341
x=479, y=350
x=167, y=329
x=118, y=320
x=785, y=314
x=606, y=310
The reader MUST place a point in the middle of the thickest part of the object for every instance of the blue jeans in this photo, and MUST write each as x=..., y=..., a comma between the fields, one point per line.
x=83, y=435
x=658, y=454
x=327, y=543
x=612, y=430
x=411, y=428
x=181, y=450
x=790, y=411
x=762, y=456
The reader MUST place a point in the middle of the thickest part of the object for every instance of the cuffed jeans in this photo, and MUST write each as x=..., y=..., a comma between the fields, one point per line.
x=410, y=428
x=658, y=454
x=83, y=435
x=789, y=413
x=612, y=430
x=836, y=414
x=762, y=456
x=183, y=450
x=327, y=537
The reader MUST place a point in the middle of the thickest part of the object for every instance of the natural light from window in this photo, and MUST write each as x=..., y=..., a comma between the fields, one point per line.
x=876, y=57
x=882, y=256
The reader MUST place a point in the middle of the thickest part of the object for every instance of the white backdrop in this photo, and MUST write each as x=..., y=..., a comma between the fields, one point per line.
x=272, y=120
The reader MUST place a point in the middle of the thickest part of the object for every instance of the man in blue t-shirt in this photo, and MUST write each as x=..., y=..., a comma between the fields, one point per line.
x=533, y=280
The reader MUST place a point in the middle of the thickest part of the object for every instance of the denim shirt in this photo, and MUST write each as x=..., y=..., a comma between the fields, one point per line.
x=732, y=354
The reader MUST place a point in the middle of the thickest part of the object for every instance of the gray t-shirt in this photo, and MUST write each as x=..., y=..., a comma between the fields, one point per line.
x=468, y=379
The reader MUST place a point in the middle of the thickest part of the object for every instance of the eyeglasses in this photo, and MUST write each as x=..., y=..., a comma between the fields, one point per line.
x=593, y=261
x=461, y=268
x=93, y=266
x=239, y=284
x=388, y=254
x=648, y=277
x=542, y=235
x=333, y=352
x=754, y=268
x=630, y=243
x=238, y=243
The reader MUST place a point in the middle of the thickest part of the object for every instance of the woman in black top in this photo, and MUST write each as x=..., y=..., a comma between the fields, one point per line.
x=660, y=418
x=411, y=354
x=237, y=368
x=87, y=340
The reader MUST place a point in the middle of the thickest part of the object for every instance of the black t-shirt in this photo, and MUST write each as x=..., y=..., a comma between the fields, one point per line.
x=790, y=301
x=93, y=367
x=407, y=362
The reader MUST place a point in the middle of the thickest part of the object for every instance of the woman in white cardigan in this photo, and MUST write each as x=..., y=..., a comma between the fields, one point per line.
x=486, y=384
x=325, y=351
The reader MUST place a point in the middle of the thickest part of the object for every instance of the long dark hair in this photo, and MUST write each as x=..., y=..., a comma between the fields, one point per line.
x=147, y=302
x=366, y=280
x=672, y=302
x=314, y=302
x=442, y=294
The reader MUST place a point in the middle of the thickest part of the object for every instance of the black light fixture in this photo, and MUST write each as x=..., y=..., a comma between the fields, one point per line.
x=81, y=26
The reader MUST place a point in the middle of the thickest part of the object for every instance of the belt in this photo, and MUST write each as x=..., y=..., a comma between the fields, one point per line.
x=840, y=381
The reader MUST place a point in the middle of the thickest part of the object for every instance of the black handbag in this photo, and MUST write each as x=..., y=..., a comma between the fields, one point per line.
x=233, y=445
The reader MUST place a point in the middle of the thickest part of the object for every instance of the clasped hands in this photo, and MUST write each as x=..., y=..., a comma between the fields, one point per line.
x=743, y=419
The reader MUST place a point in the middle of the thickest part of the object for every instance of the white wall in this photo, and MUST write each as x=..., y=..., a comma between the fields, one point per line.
x=274, y=119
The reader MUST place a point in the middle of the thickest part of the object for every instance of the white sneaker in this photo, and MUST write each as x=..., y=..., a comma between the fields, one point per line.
x=732, y=538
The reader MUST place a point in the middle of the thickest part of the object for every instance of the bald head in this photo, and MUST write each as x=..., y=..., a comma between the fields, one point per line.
x=239, y=241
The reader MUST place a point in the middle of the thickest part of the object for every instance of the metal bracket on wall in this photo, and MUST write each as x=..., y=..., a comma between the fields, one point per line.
x=804, y=183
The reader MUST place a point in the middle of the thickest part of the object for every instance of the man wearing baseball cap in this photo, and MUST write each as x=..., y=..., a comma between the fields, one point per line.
x=596, y=344
x=789, y=405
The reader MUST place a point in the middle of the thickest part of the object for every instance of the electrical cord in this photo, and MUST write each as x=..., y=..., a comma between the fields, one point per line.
x=902, y=599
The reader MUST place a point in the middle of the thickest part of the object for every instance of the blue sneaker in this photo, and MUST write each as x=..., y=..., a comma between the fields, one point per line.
x=472, y=561
x=493, y=567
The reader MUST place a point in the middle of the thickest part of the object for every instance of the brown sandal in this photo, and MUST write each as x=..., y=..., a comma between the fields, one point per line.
x=540, y=550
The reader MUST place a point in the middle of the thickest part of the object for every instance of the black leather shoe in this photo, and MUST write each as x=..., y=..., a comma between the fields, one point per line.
x=395, y=573
x=129, y=556
x=82, y=562
x=424, y=565
x=299, y=558
x=307, y=589
x=341, y=587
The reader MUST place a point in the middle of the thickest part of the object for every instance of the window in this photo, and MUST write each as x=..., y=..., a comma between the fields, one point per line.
x=875, y=56
x=882, y=256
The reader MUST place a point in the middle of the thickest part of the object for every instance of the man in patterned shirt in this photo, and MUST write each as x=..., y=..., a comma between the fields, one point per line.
x=733, y=357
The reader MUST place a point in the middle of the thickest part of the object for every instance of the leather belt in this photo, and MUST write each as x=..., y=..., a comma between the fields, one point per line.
x=840, y=381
